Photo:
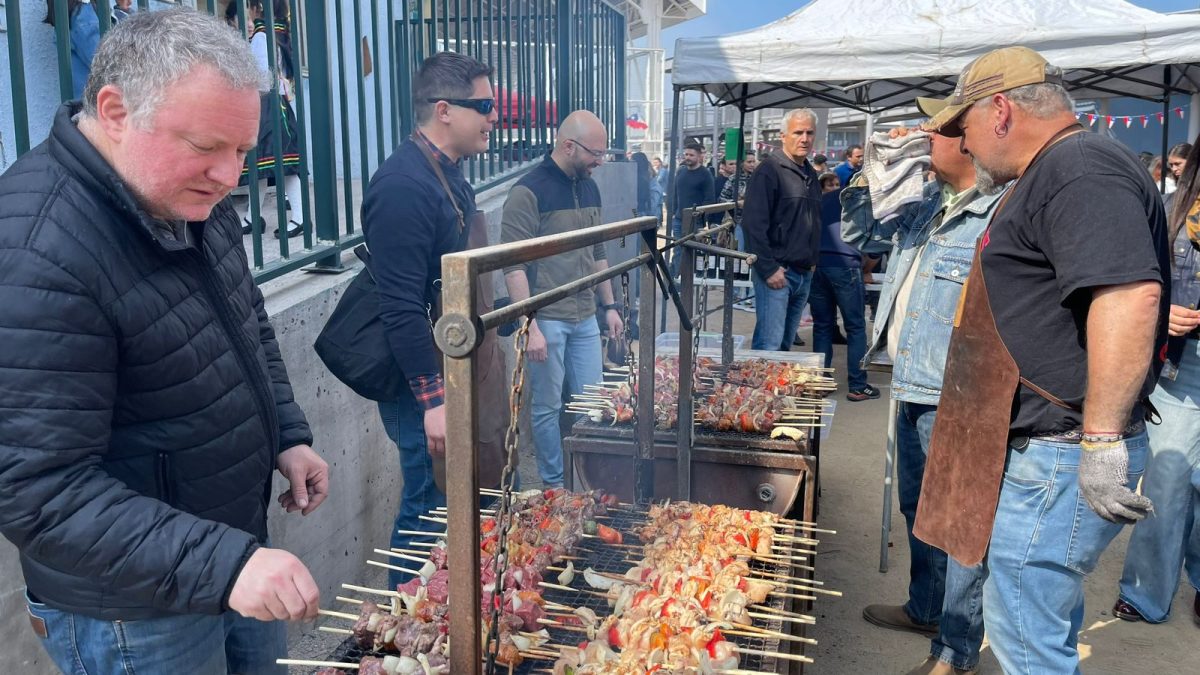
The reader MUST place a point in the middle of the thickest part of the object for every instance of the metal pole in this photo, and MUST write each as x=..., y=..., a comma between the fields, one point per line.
x=683, y=436
x=1166, y=125
x=671, y=182
x=730, y=264
x=619, y=59
x=563, y=68
x=320, y=110
x=12, y=11
x=889, y=471
x=643, y=455
x=62, y=41
x=462, y=480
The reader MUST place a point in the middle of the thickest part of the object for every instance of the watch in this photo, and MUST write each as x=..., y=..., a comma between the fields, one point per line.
x=613, y=306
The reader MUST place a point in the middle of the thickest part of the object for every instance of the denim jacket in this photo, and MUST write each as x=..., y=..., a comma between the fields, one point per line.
x=941, y=272
x=1185, y=292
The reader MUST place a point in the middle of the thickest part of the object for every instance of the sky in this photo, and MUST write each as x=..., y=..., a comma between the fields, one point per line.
x=732, y=16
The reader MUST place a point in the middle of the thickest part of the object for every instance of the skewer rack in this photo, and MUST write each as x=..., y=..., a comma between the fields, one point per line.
x=749, y=471
x=613, y=560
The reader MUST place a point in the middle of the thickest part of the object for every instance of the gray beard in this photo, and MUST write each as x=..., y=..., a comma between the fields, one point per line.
x=985, y=181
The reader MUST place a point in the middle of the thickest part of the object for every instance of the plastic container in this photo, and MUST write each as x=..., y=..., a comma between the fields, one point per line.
x=668, y=343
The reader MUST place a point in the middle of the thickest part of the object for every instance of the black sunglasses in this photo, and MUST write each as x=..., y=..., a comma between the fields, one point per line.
x=483, y=106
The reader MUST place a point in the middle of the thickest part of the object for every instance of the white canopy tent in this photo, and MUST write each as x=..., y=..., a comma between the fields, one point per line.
x=871, y=55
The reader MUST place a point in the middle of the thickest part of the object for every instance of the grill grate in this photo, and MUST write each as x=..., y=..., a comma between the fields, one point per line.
x=610, y=559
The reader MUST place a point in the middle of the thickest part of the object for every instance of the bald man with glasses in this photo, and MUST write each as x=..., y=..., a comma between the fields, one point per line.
x=556, y=197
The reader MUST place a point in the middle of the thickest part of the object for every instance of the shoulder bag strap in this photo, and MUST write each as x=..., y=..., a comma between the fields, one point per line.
x=437, y=169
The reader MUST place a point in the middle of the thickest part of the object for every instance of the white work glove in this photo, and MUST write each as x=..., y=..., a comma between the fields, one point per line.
x=1103, y=473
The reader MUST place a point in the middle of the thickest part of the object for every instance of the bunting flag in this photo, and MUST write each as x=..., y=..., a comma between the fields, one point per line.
x=1179, y=111
x=1091, y=119
x=1109, y=120
x=1128, y=121
x=1145, y=121
x=1159, y=116
x=634, y=121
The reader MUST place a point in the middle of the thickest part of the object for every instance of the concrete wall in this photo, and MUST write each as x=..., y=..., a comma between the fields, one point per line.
x=335, y=540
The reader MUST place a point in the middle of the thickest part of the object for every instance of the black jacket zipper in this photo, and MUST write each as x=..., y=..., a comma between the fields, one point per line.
x=262, y=396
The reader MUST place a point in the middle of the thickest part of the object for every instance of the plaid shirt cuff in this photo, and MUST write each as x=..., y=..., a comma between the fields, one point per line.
x=429, y=391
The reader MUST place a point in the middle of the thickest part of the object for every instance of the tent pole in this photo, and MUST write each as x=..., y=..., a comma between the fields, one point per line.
x=1166, y=125
x=672, y=150
x=731, y=263
x=1193, y=118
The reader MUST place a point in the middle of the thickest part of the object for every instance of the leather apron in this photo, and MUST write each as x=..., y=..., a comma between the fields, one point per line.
x=491, y=392
x=969, y=447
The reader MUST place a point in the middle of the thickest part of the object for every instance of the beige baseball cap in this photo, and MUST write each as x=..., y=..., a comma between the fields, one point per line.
x=997, y=71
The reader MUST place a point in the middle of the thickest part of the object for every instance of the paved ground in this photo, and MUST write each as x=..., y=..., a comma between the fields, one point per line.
x=851, y=503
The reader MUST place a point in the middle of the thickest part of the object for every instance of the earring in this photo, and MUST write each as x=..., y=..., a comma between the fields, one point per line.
x=1001, y=131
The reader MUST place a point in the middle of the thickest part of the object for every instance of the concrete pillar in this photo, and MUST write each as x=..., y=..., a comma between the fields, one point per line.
x=1194, y=119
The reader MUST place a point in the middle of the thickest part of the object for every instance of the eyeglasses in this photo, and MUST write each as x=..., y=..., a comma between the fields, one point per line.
x=483, y=106
x=598, y=154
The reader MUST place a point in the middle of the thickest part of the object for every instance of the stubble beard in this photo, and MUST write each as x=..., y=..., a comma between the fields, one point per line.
x=990, y=181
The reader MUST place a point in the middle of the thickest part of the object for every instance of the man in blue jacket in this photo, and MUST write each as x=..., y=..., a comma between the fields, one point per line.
x=930, y=244
x=146, y=405
x=782, y=223
x=410, y=222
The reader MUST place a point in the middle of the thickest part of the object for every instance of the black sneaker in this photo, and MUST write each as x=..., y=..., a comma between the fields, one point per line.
x=866, y=393
x=798, y=341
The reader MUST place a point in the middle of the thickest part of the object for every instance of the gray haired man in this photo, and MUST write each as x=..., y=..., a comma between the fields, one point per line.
x=146, y=402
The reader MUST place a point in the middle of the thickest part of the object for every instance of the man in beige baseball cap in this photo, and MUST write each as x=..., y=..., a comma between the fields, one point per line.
x=1038, y=446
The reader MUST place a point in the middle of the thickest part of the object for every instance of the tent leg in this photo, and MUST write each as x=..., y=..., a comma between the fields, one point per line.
x=889, y=471
x=1166, y=112
x=672, y=149
x=1193, y=118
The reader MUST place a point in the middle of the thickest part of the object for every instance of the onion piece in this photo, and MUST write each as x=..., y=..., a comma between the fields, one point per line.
x=427, y=571
x=521, y=642
x=566, y=576
x=598, y=582
x=589, y=617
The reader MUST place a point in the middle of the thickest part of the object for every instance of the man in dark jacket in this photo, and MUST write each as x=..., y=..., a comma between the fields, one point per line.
x=410, y=222
x=693, y=187
x=782, y=223
x=146, y=403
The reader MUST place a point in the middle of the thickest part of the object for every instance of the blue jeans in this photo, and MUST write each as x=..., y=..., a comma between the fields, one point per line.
x=1168, y=539
x=777, y=311
x=677, y=252
x=572, y=357
x=198, y=644
x=404, y=422
x=835, y=288
x=1044, y=542
x=940, y=590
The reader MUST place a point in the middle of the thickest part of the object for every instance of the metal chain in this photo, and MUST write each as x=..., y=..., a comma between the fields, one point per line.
x=504, y=505
x=631, y=378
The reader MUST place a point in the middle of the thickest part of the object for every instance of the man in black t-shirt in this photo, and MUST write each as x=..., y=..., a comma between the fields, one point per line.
x=1074, y=264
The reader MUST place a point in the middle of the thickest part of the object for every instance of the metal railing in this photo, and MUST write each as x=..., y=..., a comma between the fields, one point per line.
x=354, y=62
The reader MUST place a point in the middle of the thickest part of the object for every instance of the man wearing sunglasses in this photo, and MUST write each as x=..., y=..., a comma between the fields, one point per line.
x=556, y=197
x=410, y=221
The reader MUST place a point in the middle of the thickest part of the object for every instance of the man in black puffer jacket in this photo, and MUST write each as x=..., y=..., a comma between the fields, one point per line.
x=145, y=401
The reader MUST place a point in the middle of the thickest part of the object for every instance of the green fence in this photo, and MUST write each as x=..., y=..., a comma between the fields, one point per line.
x=352, y=100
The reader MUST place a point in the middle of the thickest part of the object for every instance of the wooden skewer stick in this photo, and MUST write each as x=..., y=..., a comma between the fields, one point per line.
x=778, y=655
x=373, y=591
x=402, y=556
x=339, y=631
x=431, y=519
x=422, y=533
x=316, y=664
x=394, y=567
x=773, y=633
x=741, y=671
x=781, y=636
x=340, y=615
x=547, y=584
x=356, y=601
x=774, y=575
x=561, y=626
x=776, y=617
x=782, y=612
x=422, y=544
x=779, y=594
